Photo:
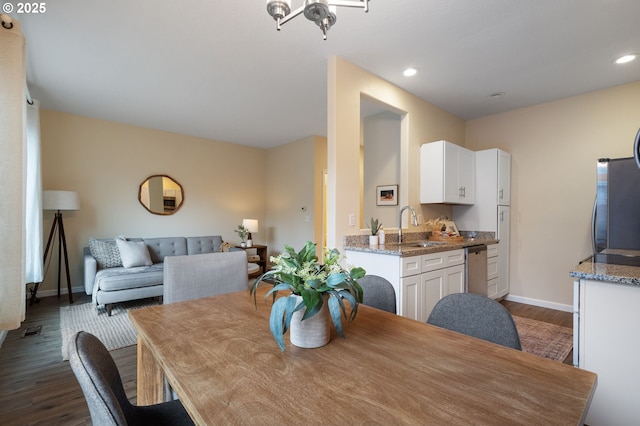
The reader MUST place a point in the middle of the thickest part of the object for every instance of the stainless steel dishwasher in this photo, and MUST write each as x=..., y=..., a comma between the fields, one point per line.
x=476, y=269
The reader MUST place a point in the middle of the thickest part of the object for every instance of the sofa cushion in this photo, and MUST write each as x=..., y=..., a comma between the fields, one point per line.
x=114, y=279
x=159, y=248
x=202, y=245
x=105, y=252
x=133, y=253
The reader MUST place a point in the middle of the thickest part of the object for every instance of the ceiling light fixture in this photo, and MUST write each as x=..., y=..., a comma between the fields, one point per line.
x=626, y=58
x=322, y=12
x=410, y=72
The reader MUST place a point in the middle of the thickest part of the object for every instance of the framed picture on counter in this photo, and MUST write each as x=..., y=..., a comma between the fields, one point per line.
x=387, y=195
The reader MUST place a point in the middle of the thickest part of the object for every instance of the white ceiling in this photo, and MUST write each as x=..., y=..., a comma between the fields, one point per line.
x=219, y=69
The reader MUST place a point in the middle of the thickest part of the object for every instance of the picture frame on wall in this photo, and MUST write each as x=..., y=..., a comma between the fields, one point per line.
x=387, y=195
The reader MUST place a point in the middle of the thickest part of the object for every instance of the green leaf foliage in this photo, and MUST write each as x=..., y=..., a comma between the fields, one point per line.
x=300, y=274
x=375, y=226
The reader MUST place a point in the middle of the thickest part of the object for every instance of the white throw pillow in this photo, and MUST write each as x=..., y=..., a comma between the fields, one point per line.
x=133, y=253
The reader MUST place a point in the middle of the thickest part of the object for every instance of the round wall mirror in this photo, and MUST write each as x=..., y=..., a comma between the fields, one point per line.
x=160, y=194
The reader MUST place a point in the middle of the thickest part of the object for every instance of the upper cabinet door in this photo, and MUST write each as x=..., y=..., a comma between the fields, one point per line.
x=451, y=185
x=467, y=175
x=504, y=178
x=447, y=174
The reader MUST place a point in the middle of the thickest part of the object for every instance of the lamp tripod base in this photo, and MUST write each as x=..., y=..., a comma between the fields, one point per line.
x=62, y=251
x=32, y=294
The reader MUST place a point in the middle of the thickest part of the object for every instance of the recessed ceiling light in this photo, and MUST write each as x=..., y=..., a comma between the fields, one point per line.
x=626, y=58
x=410, y=72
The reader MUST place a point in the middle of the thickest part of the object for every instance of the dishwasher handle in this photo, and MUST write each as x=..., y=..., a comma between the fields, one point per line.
x=477, y=249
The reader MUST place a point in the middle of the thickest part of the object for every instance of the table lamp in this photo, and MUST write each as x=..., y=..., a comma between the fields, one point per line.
x=59, y=201
x=251, y=225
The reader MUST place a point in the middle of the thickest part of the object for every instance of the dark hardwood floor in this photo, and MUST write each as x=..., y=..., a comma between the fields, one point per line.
x=38, y=388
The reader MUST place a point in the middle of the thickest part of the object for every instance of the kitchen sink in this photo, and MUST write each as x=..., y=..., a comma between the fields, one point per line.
x=423, y=243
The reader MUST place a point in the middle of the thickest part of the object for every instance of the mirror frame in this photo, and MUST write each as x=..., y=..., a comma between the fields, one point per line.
x=178, y=206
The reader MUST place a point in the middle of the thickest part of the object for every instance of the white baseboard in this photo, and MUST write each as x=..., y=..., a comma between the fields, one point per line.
x=541, y=303
x=54, y=292
x=3, y=335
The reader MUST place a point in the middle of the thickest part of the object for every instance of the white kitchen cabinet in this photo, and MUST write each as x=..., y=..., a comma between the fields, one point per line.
x=447, y=174
x=503, y=234
x=441, y=274
x=492, y=271
x=419, y=281
x=504, y=174
x=411, y=291
x=437, y=284
x=491, y=211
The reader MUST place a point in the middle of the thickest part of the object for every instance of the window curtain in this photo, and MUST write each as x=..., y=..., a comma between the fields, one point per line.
x=12, y=222
x=33, y=197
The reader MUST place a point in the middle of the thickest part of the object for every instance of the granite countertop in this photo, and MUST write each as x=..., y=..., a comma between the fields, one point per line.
x=409, y=248
x=621, y=274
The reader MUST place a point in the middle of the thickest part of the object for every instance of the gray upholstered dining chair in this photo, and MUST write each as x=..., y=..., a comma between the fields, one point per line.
x=476, y=316
x=102, y=386
x=378, y=293
x=203, y=275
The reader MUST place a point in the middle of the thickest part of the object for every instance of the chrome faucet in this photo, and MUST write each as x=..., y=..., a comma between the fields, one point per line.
x=415, y=221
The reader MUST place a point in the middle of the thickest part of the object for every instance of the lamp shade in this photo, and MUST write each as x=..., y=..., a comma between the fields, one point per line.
x=60, y=200
x=250, y=224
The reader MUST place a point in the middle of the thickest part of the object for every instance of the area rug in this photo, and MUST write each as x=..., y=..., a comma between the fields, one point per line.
x=115, y=331
x=543, y=339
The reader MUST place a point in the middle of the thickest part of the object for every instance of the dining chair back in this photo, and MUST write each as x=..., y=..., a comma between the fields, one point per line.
x=378, y=293
x=476, y=316
x=203, y=275
x=102, y=387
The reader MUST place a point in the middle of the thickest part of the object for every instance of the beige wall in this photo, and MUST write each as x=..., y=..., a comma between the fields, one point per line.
x=106, y=162
x=421, y=123
x=294, y=183
x=554, y=149
x=381, y=152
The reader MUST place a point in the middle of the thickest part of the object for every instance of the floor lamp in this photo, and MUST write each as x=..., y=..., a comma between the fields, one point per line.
x=59, y=201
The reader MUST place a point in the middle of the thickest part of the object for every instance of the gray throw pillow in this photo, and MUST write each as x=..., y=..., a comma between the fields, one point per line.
x=133, y=253
x=106, y=253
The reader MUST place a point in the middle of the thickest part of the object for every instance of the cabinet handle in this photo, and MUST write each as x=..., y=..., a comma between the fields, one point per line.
x=502, y=216
x=501, y=194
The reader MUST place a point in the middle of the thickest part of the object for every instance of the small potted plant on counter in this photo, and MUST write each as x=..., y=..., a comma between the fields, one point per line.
x=375, y=227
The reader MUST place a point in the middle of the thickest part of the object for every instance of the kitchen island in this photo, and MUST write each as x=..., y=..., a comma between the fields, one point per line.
x=606, y=341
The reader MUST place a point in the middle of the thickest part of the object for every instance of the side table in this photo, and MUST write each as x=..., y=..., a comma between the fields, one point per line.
x=260, y=251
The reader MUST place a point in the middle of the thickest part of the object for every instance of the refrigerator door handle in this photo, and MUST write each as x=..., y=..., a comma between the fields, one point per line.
x=576, y=323
x=636, y=149
x=594, y=214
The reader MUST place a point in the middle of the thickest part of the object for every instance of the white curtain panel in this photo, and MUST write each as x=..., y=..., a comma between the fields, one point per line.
x=33, y=197
x=12, y=223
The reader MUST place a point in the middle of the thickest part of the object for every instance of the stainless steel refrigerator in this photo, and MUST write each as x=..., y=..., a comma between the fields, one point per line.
x=616, y=213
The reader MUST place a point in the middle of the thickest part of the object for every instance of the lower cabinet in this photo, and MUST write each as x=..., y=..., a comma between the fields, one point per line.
x=419, y=281
x=441, y=274
x=493, y=269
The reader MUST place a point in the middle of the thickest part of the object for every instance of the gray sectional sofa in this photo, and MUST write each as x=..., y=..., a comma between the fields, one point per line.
x=117, y=271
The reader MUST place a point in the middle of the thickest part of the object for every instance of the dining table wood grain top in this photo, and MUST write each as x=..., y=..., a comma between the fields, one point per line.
x=220, y=358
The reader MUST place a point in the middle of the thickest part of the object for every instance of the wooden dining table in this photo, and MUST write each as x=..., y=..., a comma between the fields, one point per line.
x=221, y=360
